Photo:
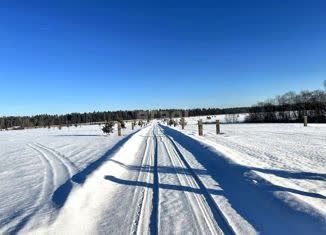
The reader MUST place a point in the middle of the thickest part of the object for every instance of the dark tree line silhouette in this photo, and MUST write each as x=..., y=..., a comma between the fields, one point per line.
x=291, y=107
x=46, y=120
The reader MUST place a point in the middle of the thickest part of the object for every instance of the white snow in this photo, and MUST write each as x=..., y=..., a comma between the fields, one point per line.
x=36, y=162
x=223, y=118
x=287, y=155
x=253, y=178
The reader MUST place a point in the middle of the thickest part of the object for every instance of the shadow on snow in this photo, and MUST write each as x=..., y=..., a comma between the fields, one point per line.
x=255, y=203
x=61, y=194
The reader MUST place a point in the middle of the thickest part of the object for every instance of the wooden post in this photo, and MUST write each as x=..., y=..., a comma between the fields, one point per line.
x=183, y=122
x=132, y=125
x=305, y=120
x=218, y=131
x=119, y=129
x=200, y=127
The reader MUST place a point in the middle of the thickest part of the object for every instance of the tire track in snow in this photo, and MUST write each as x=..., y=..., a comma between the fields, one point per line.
x=192, y=198
x=175, y=202
x=143, y=204
x=216, y=212
x=199, y=200
x=145, y=199
x=70, y=166
x=154, y=222
x=49, y=179
x=147, y=208
x=46, y=190
x=65, y=169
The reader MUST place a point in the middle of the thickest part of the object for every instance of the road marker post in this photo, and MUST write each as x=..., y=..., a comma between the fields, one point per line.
x=305, y=120
x=183, y=122
x=200, y=127
x=119, y=129
x=218, y=130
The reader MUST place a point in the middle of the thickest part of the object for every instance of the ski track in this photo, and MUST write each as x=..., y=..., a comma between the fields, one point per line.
x=197, y=202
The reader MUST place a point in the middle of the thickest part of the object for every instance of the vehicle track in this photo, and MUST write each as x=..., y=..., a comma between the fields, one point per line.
x=59, y=168
x=141, y=220
x=146, y=221
x=207, y=205
x=63, y=170
x=193, y=198
x=154, y=219
x=47, y=189
x=70, y=166
x=203, y=216
x=49, y=172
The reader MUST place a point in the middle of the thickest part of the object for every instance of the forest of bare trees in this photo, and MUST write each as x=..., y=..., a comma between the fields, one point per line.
x=291, y=107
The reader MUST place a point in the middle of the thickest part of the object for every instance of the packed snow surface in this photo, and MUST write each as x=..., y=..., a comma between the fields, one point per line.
x=35, y=167
x=252, y=178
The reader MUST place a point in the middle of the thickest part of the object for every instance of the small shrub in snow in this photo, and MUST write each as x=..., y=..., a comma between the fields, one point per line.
x=108, y=127
x=172, y=122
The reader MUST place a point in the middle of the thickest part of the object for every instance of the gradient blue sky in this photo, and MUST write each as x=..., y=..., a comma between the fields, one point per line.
x=74, y=55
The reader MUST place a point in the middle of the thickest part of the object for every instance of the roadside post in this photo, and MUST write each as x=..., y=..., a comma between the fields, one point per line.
x=305, y=120
x=183, y=122
x=218, y=130
x=200, y=127
x=119, y=129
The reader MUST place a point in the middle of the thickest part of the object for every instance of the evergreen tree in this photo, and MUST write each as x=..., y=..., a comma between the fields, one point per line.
x=171, y=122
x=108, y=127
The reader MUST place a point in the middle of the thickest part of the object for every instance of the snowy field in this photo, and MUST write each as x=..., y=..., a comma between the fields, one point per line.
x=223, y=118
x=289, y=156
x=252, y=178
x=36, y=162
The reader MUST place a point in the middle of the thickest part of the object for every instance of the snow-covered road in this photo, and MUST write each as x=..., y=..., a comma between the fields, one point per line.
x=161, y=181
x=146, y=187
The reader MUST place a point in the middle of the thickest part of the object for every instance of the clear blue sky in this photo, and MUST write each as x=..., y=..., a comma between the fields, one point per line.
x=64, y=56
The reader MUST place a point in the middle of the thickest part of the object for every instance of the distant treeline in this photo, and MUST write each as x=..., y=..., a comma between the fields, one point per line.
x=291, y=107
x=94, y=117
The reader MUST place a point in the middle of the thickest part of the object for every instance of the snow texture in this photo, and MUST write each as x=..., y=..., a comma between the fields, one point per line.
x=252, y=178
